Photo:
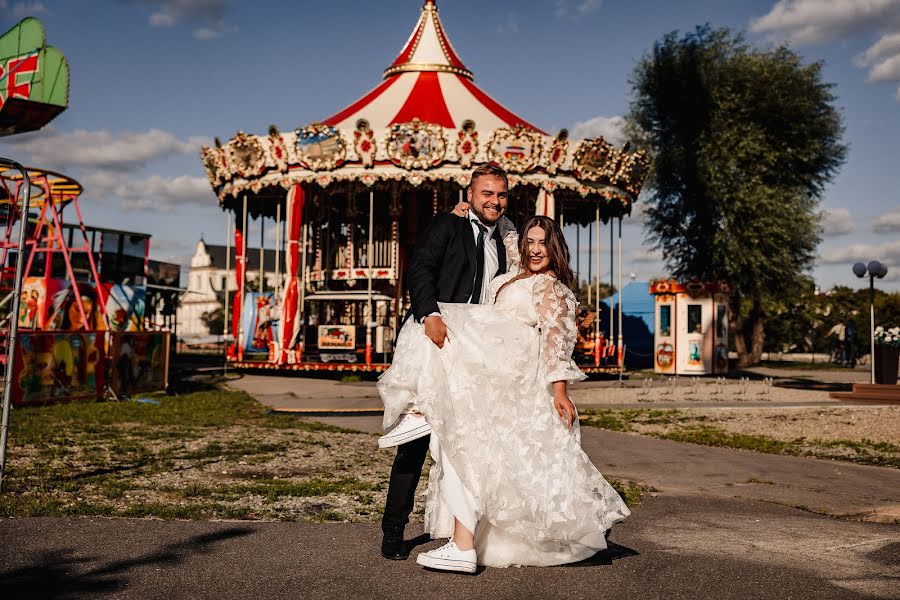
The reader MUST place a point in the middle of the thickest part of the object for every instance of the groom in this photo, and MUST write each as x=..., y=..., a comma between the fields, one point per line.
x=454, y=261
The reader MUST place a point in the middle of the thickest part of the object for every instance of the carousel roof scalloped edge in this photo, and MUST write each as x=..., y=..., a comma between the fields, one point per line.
x=346, y=148
x=595, y=168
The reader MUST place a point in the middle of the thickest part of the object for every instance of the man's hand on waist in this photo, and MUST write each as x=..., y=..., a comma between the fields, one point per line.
x=435, y=329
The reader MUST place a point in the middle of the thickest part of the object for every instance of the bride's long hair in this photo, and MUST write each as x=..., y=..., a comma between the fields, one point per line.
x=557, y=249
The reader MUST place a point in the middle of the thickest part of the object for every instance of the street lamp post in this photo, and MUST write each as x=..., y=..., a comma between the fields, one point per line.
x=873, y=269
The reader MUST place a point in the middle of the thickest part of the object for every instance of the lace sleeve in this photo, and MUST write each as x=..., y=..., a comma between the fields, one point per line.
x=555, y=305
x=511, y=242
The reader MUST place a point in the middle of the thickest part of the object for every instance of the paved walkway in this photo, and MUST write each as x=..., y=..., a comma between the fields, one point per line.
x=690, y=547
x=827, y=487
x=791, y=388
x=723, y=524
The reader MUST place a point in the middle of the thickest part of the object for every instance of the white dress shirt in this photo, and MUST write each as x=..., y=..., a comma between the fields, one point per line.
x=491, y=262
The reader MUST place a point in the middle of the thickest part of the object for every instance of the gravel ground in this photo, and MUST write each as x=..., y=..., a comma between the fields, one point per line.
x=660, y=392
x=877, y=424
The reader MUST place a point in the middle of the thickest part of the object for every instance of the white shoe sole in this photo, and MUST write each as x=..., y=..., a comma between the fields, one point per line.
x=445, y=564
x=391, y=439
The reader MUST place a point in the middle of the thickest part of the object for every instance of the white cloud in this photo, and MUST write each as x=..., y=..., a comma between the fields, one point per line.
x=612, y=129
x=562, y=10
x=814, y=21
x=511, y=25
x=588, y=6
x=20, y=10
x=164, y=194
x=211, y=33
x=207, y=15
x=817, y=21
x=887, y=223
x=888, y=44
x=888, y=253
x=836, y=221
x=646, y=255
x=174, y=251
x=101, y=149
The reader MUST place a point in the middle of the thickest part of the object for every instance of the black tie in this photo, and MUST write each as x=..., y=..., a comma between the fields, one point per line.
x=479, y=263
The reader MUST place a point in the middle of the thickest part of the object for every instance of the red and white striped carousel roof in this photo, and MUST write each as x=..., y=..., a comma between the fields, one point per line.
x=429, y=82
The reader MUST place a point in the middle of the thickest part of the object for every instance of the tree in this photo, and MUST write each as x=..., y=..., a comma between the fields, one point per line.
x=214, y=320
x=743, y=141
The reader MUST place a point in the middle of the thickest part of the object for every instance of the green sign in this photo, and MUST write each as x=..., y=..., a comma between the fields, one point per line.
x=34, y=79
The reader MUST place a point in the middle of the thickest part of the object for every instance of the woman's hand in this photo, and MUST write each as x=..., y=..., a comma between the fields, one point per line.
x=461, y=209
x=564, y=408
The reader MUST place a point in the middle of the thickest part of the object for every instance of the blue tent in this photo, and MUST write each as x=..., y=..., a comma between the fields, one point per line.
x=637, y=322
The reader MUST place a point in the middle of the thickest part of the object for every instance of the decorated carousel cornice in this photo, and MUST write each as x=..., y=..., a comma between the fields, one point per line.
x=426, y=122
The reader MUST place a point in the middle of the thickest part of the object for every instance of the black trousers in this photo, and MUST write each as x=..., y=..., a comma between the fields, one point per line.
x=405, y=476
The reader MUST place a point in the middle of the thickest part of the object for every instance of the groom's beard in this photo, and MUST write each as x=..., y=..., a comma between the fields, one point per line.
x=484, y=219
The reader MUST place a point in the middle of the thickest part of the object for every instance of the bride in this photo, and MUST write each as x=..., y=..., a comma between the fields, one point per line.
x=510, y=484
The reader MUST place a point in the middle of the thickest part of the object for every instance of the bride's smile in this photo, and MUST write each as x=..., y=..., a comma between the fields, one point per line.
x=538, y=259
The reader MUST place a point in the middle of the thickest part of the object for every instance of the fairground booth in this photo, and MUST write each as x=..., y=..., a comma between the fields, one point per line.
x=74, y=296
x=349, y=196
x=691, y=329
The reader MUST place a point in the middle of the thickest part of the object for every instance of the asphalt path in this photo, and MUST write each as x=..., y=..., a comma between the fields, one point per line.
x=721, y=524
x=678, y=546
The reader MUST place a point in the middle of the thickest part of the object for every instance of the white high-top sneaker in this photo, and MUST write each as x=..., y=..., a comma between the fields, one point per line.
x=411, y=427
x=449, y=558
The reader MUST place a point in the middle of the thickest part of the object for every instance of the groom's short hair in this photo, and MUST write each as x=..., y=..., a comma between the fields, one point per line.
x=489, y=169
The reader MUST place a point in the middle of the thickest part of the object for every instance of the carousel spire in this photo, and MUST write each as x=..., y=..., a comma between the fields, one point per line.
x=428, y=48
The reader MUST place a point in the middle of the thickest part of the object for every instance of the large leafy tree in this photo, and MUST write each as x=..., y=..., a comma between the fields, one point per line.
x=743, y=141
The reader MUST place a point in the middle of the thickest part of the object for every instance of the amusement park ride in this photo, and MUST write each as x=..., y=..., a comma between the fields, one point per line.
x=350, y=196
x=74, y=296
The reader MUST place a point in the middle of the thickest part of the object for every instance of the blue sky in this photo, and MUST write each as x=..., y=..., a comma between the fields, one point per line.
x=152, y=80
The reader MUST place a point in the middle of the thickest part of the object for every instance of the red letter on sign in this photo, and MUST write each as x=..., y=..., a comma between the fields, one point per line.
x=20, y=66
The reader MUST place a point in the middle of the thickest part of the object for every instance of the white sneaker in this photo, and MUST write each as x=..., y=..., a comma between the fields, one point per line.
x=411, y=427
x=449, y=558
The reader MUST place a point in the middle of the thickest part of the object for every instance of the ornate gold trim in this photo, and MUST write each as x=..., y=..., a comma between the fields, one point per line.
x=418, y=67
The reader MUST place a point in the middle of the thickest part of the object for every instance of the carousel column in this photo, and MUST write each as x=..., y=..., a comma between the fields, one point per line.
x=545, y=204
x=621, y=348
x=227, y=284
x=352, y=212
x=612, y=258
x=240, y=248
x=278, y=242
x=590, y=265
x=597, y=348
x=262, y=245
x=294, y=220
x=304, y=275
x=276, y=288
x=395, y=211
x=578, y=254
x=370, y=318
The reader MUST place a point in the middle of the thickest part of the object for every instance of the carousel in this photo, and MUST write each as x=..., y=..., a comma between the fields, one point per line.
x=345, y=200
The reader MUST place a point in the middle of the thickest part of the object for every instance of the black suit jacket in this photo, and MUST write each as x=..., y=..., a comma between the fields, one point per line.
x=442, y=267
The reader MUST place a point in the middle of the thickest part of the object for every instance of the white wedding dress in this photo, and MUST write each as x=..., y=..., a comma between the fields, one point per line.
x=504, y=459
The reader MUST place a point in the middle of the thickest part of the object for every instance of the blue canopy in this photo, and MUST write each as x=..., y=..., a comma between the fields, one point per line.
x=637, y=322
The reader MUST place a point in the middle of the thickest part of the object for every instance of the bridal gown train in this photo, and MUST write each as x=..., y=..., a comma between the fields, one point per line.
x=503, y=457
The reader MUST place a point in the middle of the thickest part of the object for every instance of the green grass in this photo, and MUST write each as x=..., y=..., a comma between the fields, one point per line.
x=214, y=454
x=630, y=492
x=101, y=458
x=692, y=429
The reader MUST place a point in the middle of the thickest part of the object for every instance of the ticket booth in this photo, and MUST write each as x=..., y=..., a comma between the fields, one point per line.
x=691, y=333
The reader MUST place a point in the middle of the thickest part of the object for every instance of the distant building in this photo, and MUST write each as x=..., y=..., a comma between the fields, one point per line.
x=206, y=285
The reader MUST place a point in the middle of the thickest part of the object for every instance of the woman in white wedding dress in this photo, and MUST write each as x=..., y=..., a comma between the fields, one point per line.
x=508, y=467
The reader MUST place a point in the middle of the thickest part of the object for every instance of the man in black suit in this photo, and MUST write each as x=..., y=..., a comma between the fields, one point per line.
x=454, y=261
